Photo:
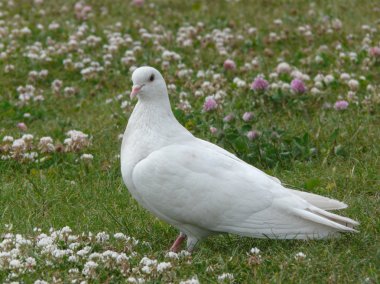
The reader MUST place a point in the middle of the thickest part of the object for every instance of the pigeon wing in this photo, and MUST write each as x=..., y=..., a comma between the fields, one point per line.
x=196, y=185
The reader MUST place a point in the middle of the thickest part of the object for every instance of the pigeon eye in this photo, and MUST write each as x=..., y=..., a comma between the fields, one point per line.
x=151, y=78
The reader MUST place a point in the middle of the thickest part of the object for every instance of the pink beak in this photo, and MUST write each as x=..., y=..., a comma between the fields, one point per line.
x=135, y=90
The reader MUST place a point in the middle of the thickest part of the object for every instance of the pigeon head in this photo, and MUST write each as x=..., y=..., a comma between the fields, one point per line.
x=148, y=84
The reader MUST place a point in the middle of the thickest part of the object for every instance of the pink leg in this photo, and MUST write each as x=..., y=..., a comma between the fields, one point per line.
x=177, y=243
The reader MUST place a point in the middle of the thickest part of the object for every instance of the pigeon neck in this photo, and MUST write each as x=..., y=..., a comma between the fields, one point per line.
x=153, y=111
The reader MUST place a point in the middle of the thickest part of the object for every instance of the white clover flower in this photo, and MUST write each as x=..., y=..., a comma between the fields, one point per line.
x=315, y=91
x=53, y=26
x=283, y=67
x=273, y=76
x=86, y=250
x=274, y=86
x=74, y=246
x=124, y=104
x=95, y=256
x=300, y=256
x=184, y=253
x=121, y=258
x=318, y=85
x=45, y=241
x=69, y=91
x=193, y=280
x=15, y=264
x=8, y=139
x=285, y=87
x=199, y=93
x=319, y=78
x=65, y=230
x=60, y=253
x=46, y=145
x=239, y=82
x=89, y=269
x=102, y=237
x=148, y=262
x=225, y=276
x=146, y=269
x=77, y=141
x=72, y=238
x=172, y=254
x=30, y=262
x=135, y=280
x=120, y=236
x=73, y=258
x=200, y=74
x=73, y=271
x=318, y=59
x=254, y=250
x=40, y=282
x=353, y=84
x=345, y=76
x=9, y=68
x=27, y=137
x=87, y=157
x=110, y=254
x=163, y=266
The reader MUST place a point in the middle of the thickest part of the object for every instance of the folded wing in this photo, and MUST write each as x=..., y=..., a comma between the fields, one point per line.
x=196, y=184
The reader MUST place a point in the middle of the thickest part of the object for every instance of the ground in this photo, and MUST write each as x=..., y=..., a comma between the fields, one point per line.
x=311, y=119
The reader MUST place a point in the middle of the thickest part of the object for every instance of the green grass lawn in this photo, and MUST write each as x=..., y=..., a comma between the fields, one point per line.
x=303, y=139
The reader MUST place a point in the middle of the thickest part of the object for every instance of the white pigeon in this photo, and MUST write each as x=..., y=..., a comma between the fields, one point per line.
x=202, y=189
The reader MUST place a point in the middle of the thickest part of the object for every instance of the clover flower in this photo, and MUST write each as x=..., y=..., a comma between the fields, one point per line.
x=81, y=10
x=102, y=237
x=225, y=276
x=138, y=3
x=341, y=105
x=163, y=266
x=298, y=86
x=353, y=84
x=192, y=280
x=77, y=141
x=247, y=116
x=18, y=147
x=87, y=157
x=260, y=84
x=46, y=145
x=229, y=117
x=213, y=130
x=22, y=126
x=172, y=254
x=229, y=64
x=254, y=250
x=210, y=104
x=300, y=256
x=283, y=67
x=252, y=135
x=89, y=269
x=374, y=52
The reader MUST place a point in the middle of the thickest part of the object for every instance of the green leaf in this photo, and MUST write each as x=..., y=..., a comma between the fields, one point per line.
x=334, y=135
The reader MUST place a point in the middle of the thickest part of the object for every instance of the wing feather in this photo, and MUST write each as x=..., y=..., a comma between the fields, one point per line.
x=200, y=185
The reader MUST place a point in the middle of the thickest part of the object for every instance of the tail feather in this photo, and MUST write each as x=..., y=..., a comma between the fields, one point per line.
x=320, y=201
x=345, y=221
x=334, y=223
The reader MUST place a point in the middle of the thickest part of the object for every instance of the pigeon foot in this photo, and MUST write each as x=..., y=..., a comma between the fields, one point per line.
x=177, y=243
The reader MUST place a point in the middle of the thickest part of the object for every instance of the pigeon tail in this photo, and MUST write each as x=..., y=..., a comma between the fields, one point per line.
x=331, y=223
x=319, y=201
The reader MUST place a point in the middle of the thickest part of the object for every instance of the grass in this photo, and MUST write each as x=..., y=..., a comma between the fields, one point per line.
x=91, y=197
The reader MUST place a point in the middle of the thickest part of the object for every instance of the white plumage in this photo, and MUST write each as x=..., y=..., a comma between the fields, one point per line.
x=202, y=189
